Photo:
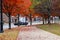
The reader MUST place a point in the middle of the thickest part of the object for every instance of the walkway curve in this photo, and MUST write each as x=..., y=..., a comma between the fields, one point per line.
x=33, y=33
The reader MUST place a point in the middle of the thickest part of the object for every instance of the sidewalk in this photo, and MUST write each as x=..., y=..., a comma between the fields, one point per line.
x=33, y=33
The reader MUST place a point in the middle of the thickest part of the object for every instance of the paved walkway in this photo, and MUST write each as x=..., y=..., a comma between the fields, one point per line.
x=33, y=33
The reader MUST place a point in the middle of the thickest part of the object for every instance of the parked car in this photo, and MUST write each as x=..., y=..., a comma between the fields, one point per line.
x=21, y=23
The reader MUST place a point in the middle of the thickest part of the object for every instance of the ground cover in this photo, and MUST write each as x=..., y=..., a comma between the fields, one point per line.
x=53, y=28
x=10, y=34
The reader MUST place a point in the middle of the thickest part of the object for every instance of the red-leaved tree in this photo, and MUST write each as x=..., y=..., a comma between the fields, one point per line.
x=8, y=6
x=14, y=7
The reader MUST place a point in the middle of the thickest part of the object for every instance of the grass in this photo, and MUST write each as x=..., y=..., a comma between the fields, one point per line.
x=53, y=28
x=9, y=34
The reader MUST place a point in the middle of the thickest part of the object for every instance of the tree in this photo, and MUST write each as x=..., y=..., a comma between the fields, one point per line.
x=22, y=7
x=8, y=6
x=45, y=8
x=14, y=7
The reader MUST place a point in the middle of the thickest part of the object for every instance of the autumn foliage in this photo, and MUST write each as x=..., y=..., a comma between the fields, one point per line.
x=15, y=7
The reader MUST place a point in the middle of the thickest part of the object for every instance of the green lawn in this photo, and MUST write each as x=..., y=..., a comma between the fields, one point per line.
x=53, y=28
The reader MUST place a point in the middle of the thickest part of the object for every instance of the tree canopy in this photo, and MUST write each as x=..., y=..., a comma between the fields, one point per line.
x=15, y=6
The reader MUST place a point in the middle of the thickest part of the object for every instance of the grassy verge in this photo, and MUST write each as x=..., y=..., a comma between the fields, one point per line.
x=53, y=28
x=10, y=34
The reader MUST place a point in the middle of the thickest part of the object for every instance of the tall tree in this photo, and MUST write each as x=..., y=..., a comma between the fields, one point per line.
x=22, y=7
x=14, y=7
x=45, y=8
x=8, y=6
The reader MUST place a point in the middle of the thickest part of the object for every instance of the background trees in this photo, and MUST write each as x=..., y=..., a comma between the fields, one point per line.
x=22, y=7
x=45, y=8
x=49, y=8
x=56, y=7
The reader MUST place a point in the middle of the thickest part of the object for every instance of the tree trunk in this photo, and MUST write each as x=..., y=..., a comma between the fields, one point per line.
x=15, y=20
x=59, y=17
x=30, y=19
x=48, y=19
x=18, y=20
x=9, y=21
x=43, y=18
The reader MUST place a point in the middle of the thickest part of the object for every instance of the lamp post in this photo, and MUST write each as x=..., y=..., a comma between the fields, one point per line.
x=1, y=17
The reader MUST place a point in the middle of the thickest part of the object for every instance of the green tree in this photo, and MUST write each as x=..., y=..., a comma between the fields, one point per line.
x=45, y=8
